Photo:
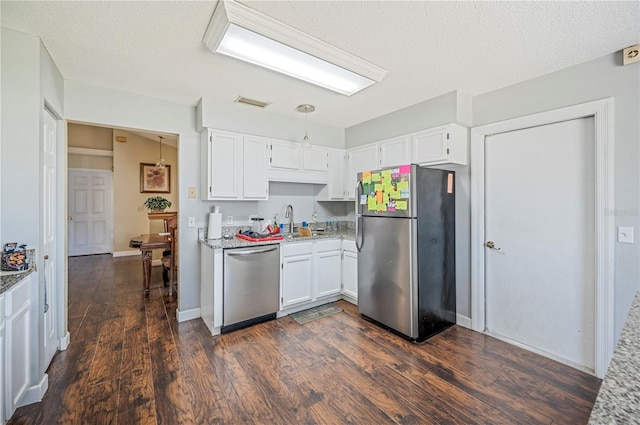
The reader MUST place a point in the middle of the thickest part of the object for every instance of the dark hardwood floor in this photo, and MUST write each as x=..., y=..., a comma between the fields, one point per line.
x=130, y=362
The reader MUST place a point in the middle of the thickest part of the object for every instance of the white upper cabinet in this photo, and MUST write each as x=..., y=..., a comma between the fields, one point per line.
x=290, y=162
x=234, y=166
x=222, y=165
x=394, y=152
x=359, y=159
x=315, y=158
x=334, y=189
x=286, y=155
x=255, y=180
x=441, y=145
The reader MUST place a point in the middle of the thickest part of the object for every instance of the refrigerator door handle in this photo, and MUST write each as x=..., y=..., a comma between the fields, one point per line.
x=359, y=234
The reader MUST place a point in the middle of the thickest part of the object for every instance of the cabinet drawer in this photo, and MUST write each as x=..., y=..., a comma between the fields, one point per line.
x=289, y=249
x=349, y=245
x=17, y=296
x=329, y=245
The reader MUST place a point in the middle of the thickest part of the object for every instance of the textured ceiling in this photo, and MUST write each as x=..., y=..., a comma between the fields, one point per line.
x=429, y=48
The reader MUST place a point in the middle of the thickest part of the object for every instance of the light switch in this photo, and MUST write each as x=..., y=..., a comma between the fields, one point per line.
x=192, y=192
x=625, y=234
x=191, y=222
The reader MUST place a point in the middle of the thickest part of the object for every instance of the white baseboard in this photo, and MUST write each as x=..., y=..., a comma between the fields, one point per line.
x=126, y=253
x=304, y=306
x=63, y=342
x=35, y=393
x=463, y=321
x=350, y=299
x=183, y=316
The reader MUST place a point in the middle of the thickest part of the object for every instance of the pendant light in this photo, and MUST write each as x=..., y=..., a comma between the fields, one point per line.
x=160, y=164
x=306, y=108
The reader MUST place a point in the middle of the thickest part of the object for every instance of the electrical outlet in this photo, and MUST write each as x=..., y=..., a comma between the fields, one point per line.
x=625, y=234
x=191, y=222
x=192, y=192
x=229, y=219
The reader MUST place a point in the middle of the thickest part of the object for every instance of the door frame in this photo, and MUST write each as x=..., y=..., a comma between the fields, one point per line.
x=603, y=113
x=109, y=175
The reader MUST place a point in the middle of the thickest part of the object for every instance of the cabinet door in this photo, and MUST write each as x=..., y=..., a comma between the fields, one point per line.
x=335, y=184
x=350, y=274
x=315, y=158
x=225, y=165
x=394, y=152
x=429, y=146
x=285, y=155
x=297, y=275
x=255, y=181
x=328, y=273
x=18, y=345
x=359, y=159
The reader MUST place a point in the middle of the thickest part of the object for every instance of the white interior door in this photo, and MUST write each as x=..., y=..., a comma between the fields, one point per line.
x=90, y=212
x=540, y=217
x=49, y=197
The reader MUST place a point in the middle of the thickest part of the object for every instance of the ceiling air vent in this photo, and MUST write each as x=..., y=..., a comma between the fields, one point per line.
x=251, y=102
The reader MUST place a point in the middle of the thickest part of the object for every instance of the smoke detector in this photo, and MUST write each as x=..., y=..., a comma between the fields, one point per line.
x=631, y=54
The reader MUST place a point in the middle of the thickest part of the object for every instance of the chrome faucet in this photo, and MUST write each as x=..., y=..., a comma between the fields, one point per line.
x=289, y=214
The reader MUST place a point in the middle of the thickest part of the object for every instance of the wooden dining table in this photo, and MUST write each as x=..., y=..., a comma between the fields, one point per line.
x=147, y=244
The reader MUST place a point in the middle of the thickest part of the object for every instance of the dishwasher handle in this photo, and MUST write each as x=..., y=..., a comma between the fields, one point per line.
x=253, y=251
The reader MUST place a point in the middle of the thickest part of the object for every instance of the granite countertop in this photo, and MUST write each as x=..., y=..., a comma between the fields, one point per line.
x=239, y=243
x=9, y=279
x=618, y=401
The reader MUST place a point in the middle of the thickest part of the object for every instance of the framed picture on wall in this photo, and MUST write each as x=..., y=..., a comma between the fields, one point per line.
x=154, y=179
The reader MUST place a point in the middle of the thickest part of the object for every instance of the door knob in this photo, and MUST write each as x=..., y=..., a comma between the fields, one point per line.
x=46, y=257
x=491, y=245
x=70, y=218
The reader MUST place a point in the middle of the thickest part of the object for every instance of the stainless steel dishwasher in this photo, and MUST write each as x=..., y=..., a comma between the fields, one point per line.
x=251, y=285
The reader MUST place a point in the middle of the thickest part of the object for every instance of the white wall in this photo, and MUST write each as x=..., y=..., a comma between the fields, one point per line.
x=30, y=80
x=597, y=79
x=20, y=138
x=430, y=113
x=260, y=122
x=300, y=196
x=97, y=105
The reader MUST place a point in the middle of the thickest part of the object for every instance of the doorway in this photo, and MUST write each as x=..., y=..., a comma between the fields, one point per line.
x=541, y=238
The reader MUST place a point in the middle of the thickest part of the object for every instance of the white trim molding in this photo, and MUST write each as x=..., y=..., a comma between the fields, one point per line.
x=63, y=343
x=88, y=151
x=463, y=321
x=602, y=113
x=126, y=253
x=183, y=316
x=35, y=393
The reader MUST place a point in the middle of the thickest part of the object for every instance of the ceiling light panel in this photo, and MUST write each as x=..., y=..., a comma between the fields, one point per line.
x=243, y=33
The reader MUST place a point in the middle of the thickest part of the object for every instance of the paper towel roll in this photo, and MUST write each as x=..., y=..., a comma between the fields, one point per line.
x=215, y=226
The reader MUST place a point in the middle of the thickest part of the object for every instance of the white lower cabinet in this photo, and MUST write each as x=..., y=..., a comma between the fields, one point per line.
x=211, y=287
x=315, y=272
x=350, y=271
x=17, y=348
x=296, y=273
x=328, y=263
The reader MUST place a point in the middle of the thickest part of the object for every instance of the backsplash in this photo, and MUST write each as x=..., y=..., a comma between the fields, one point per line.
x=232, y=230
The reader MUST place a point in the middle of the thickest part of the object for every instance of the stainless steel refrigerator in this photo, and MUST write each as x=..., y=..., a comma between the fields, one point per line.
x=405, y=236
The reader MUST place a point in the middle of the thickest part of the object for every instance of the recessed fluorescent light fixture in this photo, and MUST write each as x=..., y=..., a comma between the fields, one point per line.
x=243, y=33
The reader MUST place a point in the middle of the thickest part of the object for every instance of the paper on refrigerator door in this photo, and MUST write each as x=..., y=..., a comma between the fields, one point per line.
x=386, y=190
